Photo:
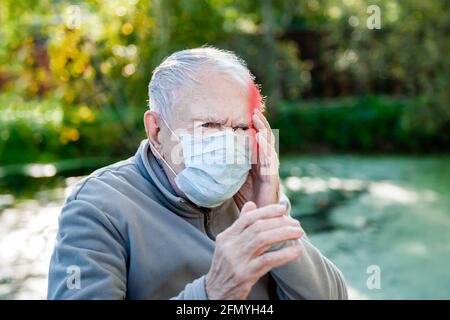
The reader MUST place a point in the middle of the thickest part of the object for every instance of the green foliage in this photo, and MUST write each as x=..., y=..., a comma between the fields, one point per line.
x=26, y=128
x=44, y=130
x=409, y=55
x=365, y=124
x=37, y=131
x=93, y=79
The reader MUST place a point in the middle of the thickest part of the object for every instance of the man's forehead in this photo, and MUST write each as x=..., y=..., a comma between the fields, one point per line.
x=216, y=112
x=215, y=98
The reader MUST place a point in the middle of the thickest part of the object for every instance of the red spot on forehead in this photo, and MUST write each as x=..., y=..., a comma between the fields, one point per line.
x=255, y=98
x=255, y=102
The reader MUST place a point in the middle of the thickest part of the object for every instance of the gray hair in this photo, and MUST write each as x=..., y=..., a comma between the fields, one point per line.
x=182, y=68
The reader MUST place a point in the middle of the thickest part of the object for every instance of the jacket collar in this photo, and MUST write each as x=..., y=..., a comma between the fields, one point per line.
x=221, y=216
x=152, y=170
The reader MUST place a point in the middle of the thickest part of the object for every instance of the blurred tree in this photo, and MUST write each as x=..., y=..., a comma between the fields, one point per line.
x=409, y=55
x=98, y=71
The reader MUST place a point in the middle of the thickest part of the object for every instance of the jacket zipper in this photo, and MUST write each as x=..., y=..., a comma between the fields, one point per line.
x=207, y=222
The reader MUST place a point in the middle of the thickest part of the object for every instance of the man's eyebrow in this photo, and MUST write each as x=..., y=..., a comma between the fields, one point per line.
x=210, y=118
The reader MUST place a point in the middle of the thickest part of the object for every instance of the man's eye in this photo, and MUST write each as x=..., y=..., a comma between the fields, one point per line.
x=210, y=125
x=240, y=128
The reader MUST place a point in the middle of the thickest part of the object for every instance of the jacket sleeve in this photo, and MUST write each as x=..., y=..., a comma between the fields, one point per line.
x=89, y=259
x=311, y=275
x=193, y=291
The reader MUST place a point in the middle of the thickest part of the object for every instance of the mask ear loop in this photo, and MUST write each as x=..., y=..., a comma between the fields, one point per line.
x=158, y=153
x=162, y=158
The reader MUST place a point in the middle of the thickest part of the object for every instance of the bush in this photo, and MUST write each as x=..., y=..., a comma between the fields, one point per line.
x=46, y=130
x=363, y=124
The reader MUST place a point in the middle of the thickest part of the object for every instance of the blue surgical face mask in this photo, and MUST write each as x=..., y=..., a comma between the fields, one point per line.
x=216, y=166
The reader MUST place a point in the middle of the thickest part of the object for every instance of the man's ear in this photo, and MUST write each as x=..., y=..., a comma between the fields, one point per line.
x=152, y=126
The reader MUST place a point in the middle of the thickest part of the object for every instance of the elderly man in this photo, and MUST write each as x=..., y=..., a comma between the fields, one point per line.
x=184, y=218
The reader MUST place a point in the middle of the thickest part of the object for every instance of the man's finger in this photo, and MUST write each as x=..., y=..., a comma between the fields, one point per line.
x=268, y=159
x=269, y=224
x=248, y=206
x=263, y=240
x=263, y=119
x=247, y=218
x=267, y=261
x=264, y=150
x=262, y=130
x=262, y=125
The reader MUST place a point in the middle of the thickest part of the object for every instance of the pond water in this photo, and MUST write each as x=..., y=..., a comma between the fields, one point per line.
x=388, y=214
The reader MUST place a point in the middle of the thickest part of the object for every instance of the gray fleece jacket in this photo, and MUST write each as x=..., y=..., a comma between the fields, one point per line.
x=125, y=234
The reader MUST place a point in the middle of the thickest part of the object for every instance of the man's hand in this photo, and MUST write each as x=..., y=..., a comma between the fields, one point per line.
x=239, y=259
x=263, y=182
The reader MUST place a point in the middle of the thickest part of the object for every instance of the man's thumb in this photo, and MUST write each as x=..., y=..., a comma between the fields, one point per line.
x=248, y=206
